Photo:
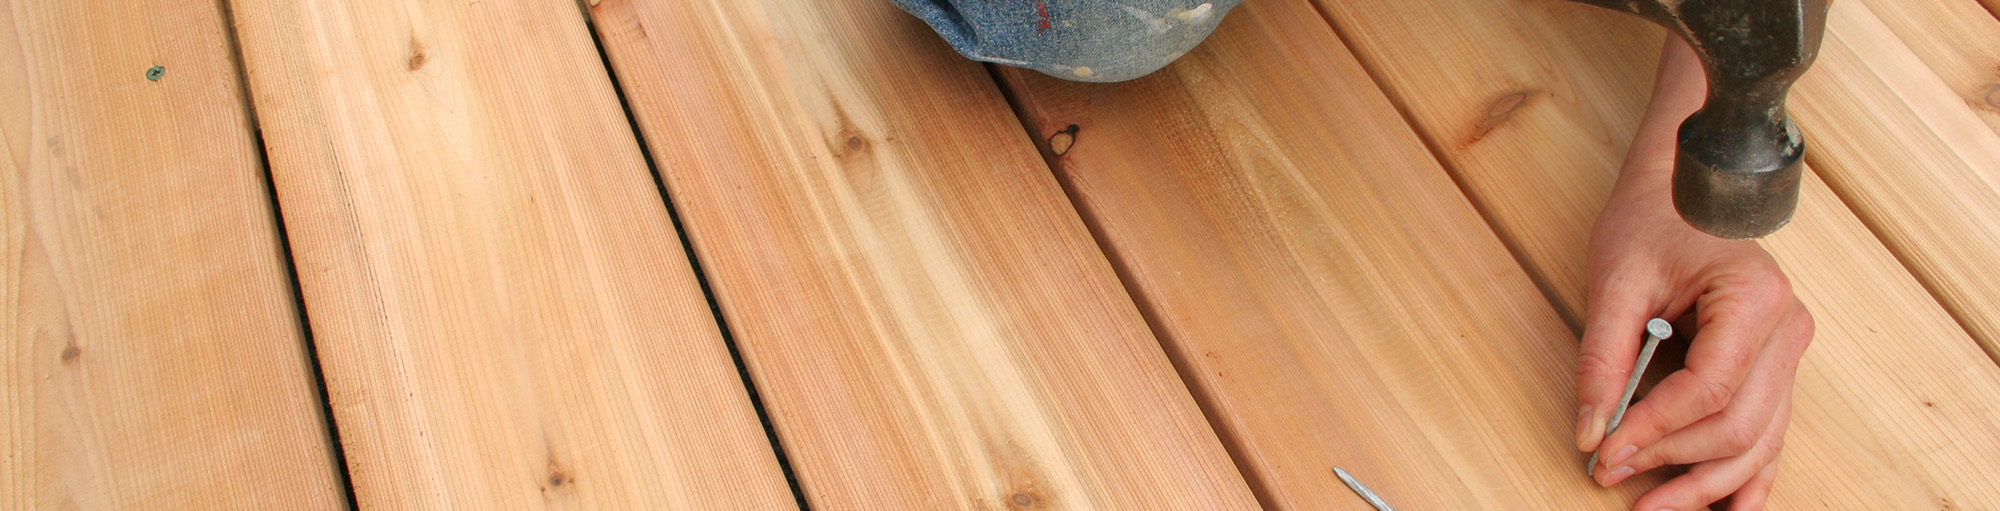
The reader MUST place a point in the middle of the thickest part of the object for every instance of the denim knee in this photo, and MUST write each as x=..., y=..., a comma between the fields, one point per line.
x=1085, y=40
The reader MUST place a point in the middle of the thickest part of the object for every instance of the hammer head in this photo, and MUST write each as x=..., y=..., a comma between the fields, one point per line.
x=1738, y=169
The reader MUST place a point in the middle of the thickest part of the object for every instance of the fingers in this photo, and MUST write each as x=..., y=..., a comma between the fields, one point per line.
x=1754, y=493
x=1740, y=425
x=1739, y=318
x=1618, y=315
x=1710, y=481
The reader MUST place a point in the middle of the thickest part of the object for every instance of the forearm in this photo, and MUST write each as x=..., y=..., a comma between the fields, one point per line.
x=1678, y=90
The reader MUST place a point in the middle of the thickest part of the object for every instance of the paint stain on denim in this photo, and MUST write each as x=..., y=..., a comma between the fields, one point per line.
x=1042, y=15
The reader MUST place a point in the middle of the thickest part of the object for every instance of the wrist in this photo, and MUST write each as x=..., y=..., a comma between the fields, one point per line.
x=1679, y=89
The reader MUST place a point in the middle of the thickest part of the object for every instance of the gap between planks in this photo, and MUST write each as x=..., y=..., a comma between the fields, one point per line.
x=1452, y=169
x=1203, y=399
x=235, y=45
x=879, y=216
x=149, y=282
x=694, y=261
x=510, y=328
x=1942, y=364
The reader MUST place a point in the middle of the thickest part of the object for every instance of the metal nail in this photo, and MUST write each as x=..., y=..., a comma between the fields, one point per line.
x=1362, y=490
x=1656, y=330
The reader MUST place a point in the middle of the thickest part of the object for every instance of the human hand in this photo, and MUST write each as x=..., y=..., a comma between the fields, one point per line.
x=1725, y=413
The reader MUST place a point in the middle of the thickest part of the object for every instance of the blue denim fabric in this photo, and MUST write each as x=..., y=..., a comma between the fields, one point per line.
x=1084, y=40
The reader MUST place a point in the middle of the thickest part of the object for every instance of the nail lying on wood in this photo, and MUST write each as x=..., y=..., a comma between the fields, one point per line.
x=1656, y=330
x=1362, y=490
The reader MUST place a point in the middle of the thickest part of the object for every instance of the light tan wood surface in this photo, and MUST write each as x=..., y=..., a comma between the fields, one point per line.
x=1530, y=104
x=1911, y=157
x=1322, y=282
x=503, y=310
x=154, y=356
x=928, y=321
x=1957, y=41
x=1358, y=245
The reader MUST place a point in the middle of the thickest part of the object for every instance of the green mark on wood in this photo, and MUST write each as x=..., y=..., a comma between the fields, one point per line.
x=155, y=73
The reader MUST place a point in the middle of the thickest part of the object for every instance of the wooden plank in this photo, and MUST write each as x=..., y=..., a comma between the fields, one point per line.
x=1910, y=155
x=1320, y=279
x=1957, y=40
x=1530, y=104
x=504, y=312
x=928, y=321
x=154, y=357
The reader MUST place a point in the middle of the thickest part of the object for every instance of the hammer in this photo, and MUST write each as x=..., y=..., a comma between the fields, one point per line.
x=1737, y=167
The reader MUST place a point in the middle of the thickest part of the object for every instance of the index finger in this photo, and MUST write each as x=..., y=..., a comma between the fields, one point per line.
x=1718, y=360
x=1610, y=344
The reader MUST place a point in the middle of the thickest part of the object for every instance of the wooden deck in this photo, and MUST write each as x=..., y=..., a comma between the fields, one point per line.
x=767, y=254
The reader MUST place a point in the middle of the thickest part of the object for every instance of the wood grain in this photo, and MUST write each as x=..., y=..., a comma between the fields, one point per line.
x=505, y=316
x=153, y=353
x=1910, y=155
x=1530, y=104
x=928, y=321
x=1320, y=279
x=1957, y=40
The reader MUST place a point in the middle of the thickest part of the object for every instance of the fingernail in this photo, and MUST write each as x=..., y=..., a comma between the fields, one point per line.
x=1617, y=475
x=1583, y=429
x=1594, y=437
x=1619, y=457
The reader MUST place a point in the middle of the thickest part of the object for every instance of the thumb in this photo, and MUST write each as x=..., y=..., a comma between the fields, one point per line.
x=1617, y=318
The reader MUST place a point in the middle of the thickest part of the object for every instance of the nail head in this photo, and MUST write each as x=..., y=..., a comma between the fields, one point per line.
x=1659, y=328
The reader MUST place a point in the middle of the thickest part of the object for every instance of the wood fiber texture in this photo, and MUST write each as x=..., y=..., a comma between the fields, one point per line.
x=1956, y=40
x=504, y=312
x=154, y=357
x=1893, y=135
x=1530, y=104
x=929, y=323
x=1324, y=285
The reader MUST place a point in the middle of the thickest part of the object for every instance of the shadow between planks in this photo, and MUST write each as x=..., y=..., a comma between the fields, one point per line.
x=1530, y=103
x=496, y=364
x=1127, y=284
x=932, y=325
x=1922, y=309
x=1411, y=118
x=154, y=355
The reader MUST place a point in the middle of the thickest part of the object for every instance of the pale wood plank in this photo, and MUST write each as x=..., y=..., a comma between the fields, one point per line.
x=154, y=357
x=1911, y=156
x=504, y=312
x=1320, y=279
x=1530, y=104
x=1957, y=40
x=927, y=319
